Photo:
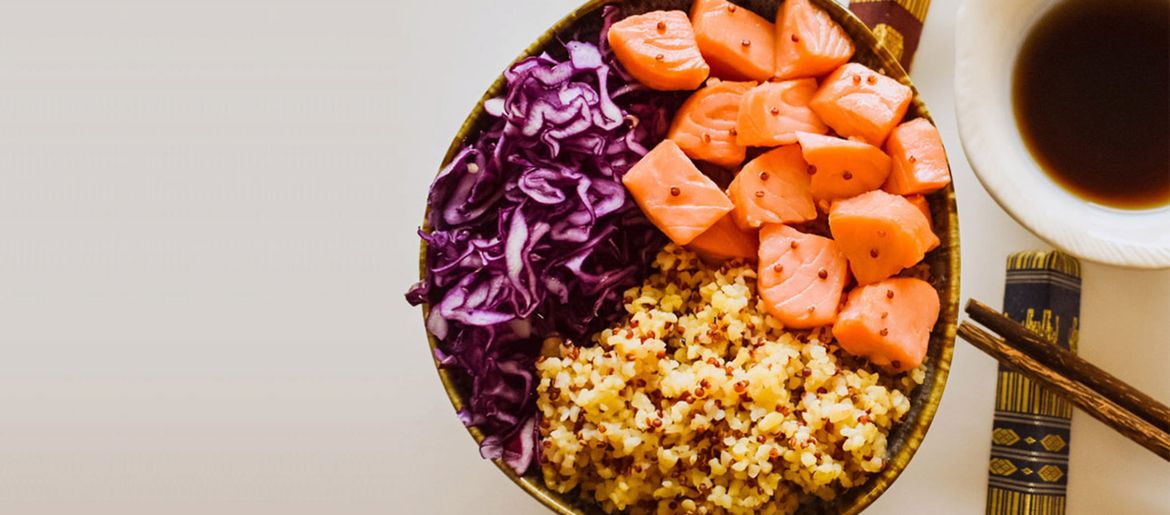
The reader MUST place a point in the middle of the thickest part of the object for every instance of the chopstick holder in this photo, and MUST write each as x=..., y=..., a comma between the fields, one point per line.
x=1030, y=438
x=896, y=23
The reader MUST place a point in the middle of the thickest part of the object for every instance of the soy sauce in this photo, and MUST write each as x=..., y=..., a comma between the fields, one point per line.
x=1091, y=94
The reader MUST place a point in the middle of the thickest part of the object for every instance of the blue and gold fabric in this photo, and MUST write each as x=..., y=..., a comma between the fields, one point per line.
x=1030, y=439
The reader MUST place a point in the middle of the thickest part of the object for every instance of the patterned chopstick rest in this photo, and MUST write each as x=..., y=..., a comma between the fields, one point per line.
x=896, y=23
x=1031, y=434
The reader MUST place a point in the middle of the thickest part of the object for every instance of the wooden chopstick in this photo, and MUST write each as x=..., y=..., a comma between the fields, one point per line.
x=1090, y=401
x=1071, y=365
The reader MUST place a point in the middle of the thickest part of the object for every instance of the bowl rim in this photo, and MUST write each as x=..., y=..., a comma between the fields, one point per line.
x=1008, y=172
x=944, y=331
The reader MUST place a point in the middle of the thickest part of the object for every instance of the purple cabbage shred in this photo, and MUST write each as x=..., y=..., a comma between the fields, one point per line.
x=532, y=234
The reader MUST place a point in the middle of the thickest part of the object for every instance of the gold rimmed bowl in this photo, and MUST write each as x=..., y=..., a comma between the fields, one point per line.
x=905, y=438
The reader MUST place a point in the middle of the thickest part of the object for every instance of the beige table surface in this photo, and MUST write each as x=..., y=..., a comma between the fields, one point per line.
x=206, y=225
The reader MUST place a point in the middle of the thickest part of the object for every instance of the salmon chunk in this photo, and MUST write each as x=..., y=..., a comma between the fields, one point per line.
x=659, y=49
x=801, y=276
x=724, y=241
x=808, y=42
x=704, y=127
x=842, y=168
x=889, y=322
x=858, y=102
x=772, y=113
x=881, y=234
x=675, y=195
x=772, y=189
x=920, y=163
x=738, y=44
x=920, y=202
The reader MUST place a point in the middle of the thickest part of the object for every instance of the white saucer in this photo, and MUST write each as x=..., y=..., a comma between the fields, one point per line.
x=986, y=43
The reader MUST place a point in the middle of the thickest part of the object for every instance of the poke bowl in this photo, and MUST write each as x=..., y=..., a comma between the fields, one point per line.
x=559, y=278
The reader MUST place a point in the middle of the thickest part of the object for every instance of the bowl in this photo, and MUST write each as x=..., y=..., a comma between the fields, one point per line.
x=986, y=46
x=905, y=438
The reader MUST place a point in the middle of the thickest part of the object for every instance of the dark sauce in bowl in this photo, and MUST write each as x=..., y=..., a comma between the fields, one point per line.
x=1091, y=93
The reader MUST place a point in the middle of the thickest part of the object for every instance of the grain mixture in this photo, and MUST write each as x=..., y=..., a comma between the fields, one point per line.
x=700, y=402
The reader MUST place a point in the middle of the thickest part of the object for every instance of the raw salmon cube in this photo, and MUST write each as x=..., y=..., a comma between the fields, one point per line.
x=921, y=203
x=842, y=168
x=675, y=195
x=880, y=233
x=801, y=276
x=808, y=42
x=920, y=163
x=659, y=49
x=704, y=127
x=725, y=241
x=772, y=113
x=859, y=102
x=772, y=189
x=889, y=322
x=738, y=44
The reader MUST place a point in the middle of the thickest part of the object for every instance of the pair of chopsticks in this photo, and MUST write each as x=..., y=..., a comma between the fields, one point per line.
x=1100, y=394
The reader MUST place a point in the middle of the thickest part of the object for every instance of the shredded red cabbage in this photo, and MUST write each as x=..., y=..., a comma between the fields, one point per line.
x=531, y=233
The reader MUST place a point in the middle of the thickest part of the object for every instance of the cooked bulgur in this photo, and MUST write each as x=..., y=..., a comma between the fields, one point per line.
x=698, y=401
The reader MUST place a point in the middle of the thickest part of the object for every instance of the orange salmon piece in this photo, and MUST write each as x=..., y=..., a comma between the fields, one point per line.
x=659, y=49
x=842, y=168
x=772, y=113
x=738, y=44
x=880, y=233
x=801, y=276
x=921, y=203
x=889, y=322
x=808, y=42
x=704, y=127
x=675, y=195
x=920, y=163
x=858, y=102
x=725, y=241
x=772, y=189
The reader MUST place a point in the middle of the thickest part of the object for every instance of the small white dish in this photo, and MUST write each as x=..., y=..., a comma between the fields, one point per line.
x=987, y=42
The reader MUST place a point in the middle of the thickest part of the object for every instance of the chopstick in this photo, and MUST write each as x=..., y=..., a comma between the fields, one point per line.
x=1071, y=365
x=1079, y=394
